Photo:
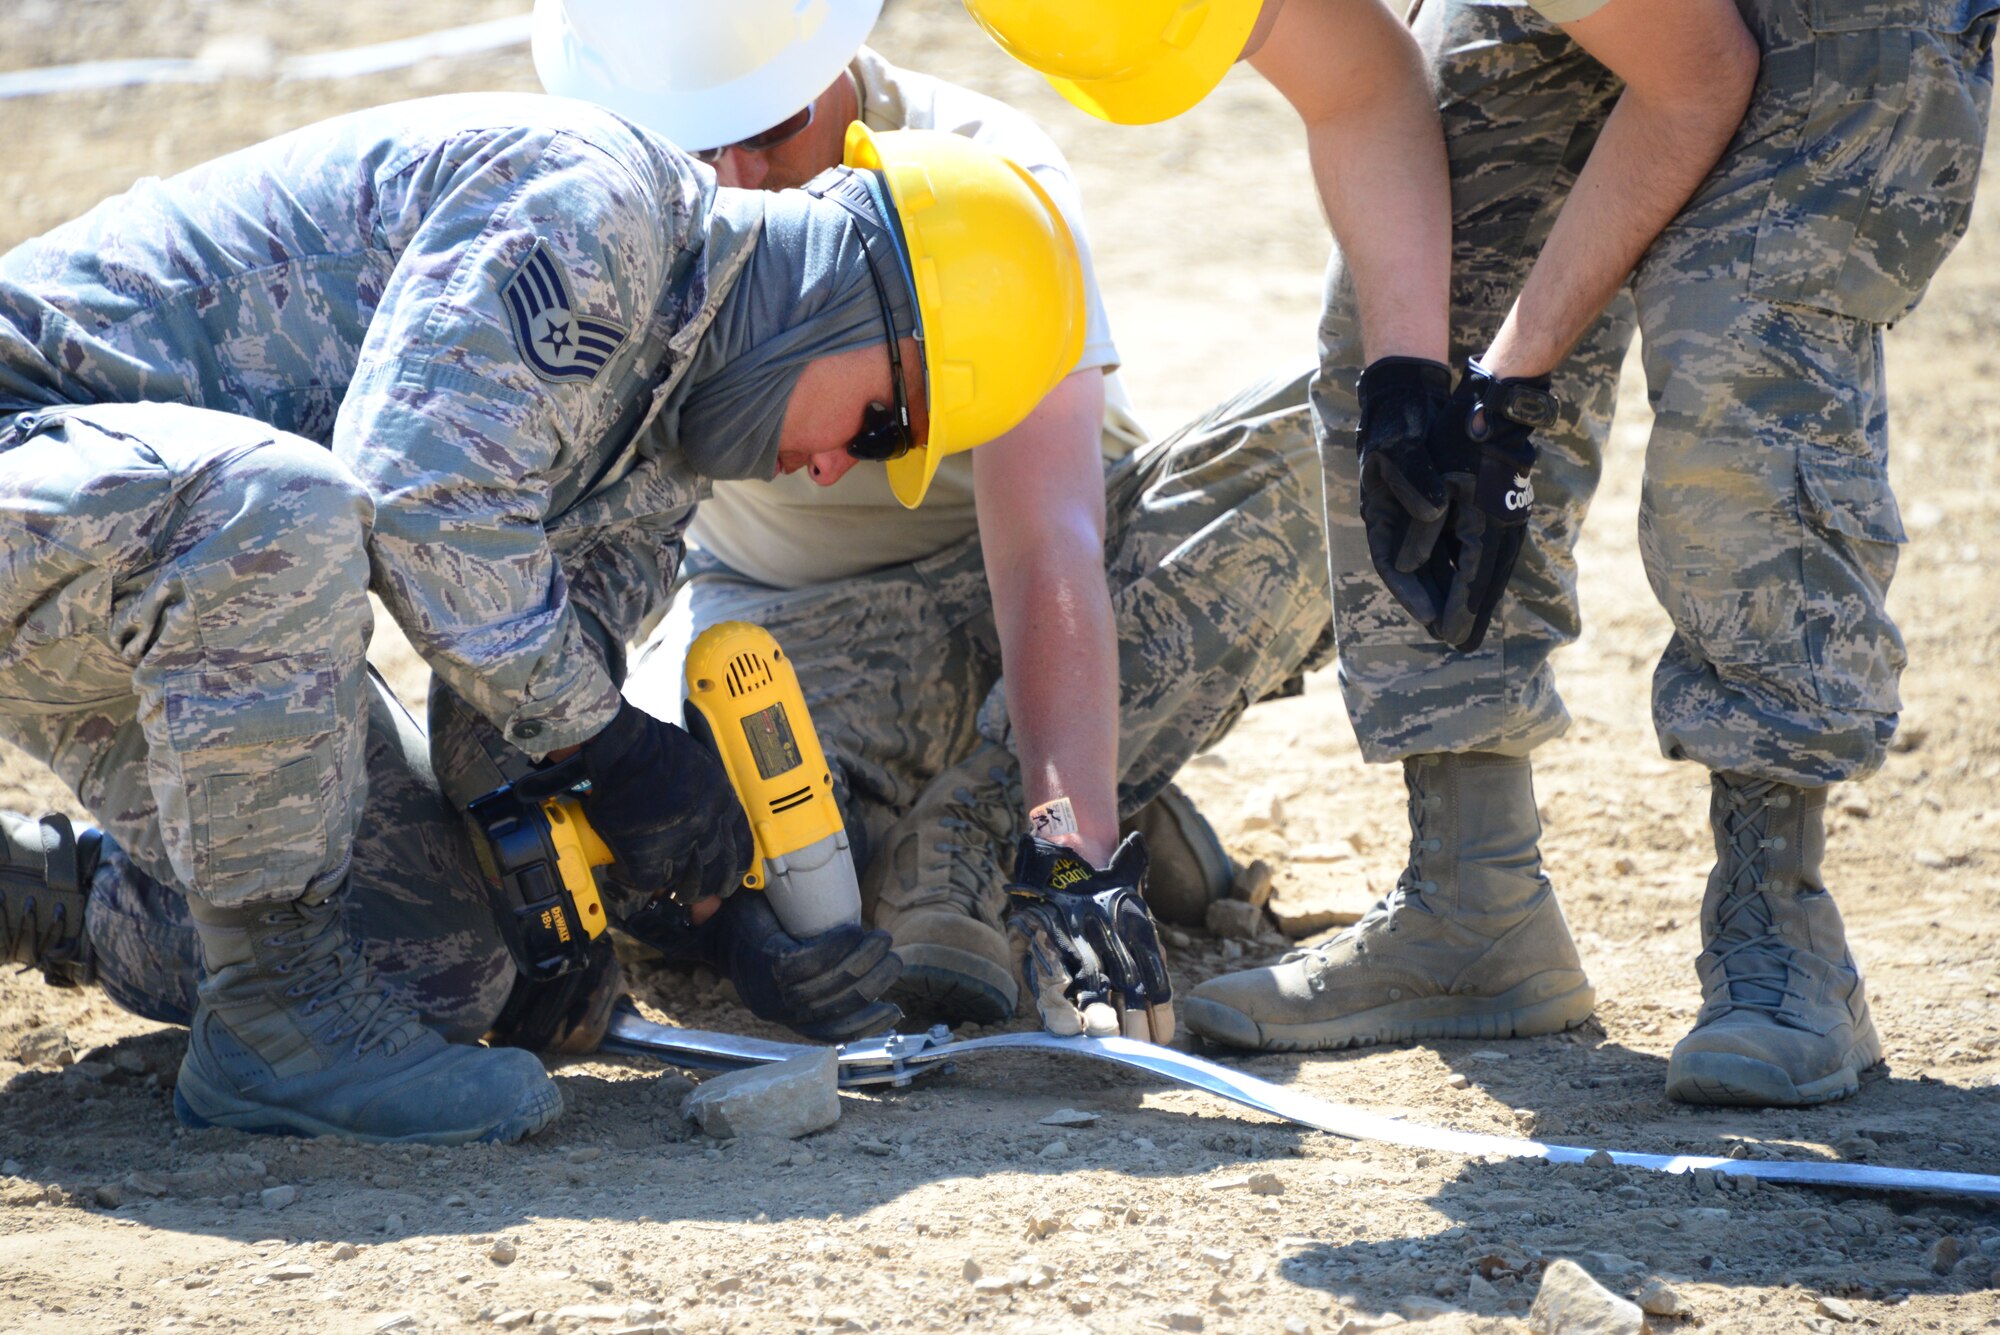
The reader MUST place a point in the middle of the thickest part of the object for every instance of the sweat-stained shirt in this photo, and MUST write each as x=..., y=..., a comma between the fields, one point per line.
x=790, y=532
x=475, y=302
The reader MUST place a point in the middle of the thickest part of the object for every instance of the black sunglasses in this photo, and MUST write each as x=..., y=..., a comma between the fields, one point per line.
x=885, y=431
x=791, y=127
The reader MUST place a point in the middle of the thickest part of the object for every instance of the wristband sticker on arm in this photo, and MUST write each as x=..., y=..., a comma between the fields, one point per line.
x=557, y=343
x=1051, y=820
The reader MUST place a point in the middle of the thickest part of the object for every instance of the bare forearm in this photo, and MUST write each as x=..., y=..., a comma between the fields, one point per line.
x=1059, y=654
x=1040, y=493
x=1357, y=78
x=1384, y=187
x=1684, y=98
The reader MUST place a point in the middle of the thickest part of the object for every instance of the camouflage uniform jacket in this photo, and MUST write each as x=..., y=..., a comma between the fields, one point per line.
x=477, y=303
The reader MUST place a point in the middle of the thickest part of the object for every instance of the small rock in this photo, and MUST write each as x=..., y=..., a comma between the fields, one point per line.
x=1265, y=810
x=1069, y=1117
x=1625, y=866
x=110, y=1195
x=290, y=1272
x=1184, y=1318
x=1217, y=1257
x=786, y=1099
x=1265, y=1184
x=585, y=1154
x=1570, y=1302
x=972, y=1270
x=47, y=1045
x=995, y=1285
x=1856, y=802
x=1837, y=1309
x=514, y=1318
x=1457, y=1080
x=1234, y=919
x=1253, y=884
x=1043, y=1226
x=1487, y=1055
x=1480, y=1293
x=1297, y=1325
x=1089, y=1221
x=1601, y=1159
x=1055, y=1149
x=395, y=1321
x=1944, y=1255
x=12, y=1168
x=346, y=1251
x=277, y=1198
x=145, y=1184
x=1931, y=858
x=1657, y=1299
x=503, y=1252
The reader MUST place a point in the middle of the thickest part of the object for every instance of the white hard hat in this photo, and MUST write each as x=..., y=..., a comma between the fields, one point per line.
x=701, y=73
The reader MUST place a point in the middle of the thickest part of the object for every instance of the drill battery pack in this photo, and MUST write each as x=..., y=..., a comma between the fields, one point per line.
x=538, y=854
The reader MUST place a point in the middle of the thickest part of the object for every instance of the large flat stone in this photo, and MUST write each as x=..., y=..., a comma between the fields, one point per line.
x=785, y=1099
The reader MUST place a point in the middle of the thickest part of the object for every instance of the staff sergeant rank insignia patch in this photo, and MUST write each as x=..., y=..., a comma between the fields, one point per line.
x=554, y=340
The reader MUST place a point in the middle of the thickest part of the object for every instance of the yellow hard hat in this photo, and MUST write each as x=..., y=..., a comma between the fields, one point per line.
x=1000, y=306
x=1129, y=61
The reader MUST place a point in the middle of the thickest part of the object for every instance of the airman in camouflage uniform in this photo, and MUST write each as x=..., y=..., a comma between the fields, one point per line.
x=416, y=350
x=1211, y=550
x=1767, y=525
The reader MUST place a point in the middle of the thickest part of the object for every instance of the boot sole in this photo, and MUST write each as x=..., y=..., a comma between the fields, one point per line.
x=946, y=983
x=536, y=1110
x=1731, y=1080
x=1547, y=1003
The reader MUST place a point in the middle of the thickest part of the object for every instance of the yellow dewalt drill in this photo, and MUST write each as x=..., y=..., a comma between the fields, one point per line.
x=743, y=703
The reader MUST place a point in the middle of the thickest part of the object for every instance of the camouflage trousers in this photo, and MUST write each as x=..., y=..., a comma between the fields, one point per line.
x=185, y=613
x=1212, y=556
x=1767, y=525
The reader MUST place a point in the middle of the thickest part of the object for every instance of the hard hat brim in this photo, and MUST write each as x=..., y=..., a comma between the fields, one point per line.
x=1174, y=83
x=720, y=114
x=910, y=476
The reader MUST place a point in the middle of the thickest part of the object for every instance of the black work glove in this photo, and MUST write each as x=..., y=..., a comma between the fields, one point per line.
x=826, y=987
x=1085, y=945
x=1405, y=404
x=1486, y=457
x=663, y=805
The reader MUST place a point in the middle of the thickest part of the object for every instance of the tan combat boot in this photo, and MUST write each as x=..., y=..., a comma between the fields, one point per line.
x=1784, y=1016
x=938, y=887
x=1470, y=943
x=1190, y=869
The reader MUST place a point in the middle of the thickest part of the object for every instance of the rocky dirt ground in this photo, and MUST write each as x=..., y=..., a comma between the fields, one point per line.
x=953, y=1205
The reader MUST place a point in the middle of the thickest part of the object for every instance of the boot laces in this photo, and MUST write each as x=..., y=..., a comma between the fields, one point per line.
x=1410, y=888
x=330, y=974
x=967, y=884
x=1755, y=958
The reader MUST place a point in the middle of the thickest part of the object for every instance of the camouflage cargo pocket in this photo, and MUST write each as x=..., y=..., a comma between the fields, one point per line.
x=1849, y=535
x=253, y=742
x=1879, y=184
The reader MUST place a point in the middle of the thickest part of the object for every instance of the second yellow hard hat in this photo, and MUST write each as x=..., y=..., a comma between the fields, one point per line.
x=1000, y=301
x=1129, y=61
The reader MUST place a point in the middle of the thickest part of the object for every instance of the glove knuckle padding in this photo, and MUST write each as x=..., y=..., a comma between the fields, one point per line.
x=664, y=807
